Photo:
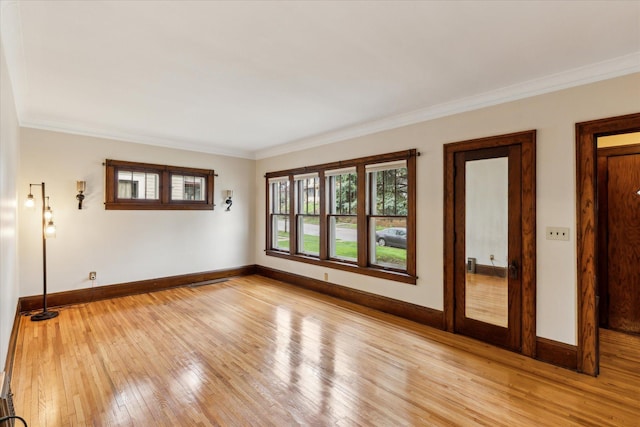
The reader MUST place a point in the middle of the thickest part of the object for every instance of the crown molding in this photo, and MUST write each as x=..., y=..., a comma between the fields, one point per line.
x=178, y=144
x=604, y=70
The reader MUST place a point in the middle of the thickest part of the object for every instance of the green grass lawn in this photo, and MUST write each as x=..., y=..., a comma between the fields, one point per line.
x=345, y=249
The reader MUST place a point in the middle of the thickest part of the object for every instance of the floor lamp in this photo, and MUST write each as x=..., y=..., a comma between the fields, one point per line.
x=48, y=231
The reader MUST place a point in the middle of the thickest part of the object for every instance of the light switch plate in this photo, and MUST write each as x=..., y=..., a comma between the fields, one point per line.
x=558, y=233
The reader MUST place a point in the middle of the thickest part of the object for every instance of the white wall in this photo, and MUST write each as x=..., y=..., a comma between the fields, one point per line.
x=554, y=116
x=9, y=140
x=125, y=246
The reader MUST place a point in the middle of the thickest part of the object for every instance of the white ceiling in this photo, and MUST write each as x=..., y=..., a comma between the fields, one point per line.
x=258, y=78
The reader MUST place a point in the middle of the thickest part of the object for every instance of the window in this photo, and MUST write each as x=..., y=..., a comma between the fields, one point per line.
x=388, y=210
x=132, y=185
x=279, y=213
x=355, y=215
x=343, y=218
x=308, y=213
x=185, y=187
x=138, y=185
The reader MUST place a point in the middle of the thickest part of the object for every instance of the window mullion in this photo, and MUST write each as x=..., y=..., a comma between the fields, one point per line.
x=322, y=223
x=293, y=226
x=209, y=186
x=165, y=187
x=411, y=216
x=269, y=217
x=361, y=211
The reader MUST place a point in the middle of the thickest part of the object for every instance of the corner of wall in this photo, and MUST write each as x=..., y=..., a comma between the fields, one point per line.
x=9, y=156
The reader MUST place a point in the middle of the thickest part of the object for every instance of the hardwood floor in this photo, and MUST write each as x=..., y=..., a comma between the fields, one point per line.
x=253, y=351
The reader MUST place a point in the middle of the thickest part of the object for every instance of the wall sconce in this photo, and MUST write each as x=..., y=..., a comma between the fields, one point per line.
x=48, y=231
x=229, y=202
x=81, y=186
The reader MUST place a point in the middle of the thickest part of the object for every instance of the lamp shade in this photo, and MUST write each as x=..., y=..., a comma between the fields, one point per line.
x=50, y=230
x=30, y=202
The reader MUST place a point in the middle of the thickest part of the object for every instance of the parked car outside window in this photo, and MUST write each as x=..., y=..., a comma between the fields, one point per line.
x=394, y=237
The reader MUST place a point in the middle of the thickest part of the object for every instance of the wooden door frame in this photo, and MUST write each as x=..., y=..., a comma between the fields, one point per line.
x=527, y=141
x=587, y=134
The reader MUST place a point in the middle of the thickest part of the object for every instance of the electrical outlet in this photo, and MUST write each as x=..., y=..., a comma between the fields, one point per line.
x=558, y=233
x=326, y=277
x=492, y=257
x=92, y=275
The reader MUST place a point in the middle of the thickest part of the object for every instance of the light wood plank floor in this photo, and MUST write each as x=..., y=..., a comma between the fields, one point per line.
x=254, y=352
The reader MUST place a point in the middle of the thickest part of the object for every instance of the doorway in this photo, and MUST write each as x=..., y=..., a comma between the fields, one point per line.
x=490, y=240
x=587, y=134
x=618, y=186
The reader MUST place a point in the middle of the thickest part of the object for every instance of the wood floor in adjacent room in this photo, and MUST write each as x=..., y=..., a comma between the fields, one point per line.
x=255, y=352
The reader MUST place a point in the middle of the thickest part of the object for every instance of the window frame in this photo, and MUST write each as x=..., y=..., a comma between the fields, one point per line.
x=373, y=215
x=164, y=202
x=334, y=211
x=273, y=213
x=302, y=208
x=364, y=244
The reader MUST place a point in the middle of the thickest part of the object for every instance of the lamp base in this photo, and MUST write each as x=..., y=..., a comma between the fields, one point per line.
x=44, y=315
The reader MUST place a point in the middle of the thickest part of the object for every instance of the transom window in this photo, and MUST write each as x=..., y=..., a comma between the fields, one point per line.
x=356, y=215
x=131, y=185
